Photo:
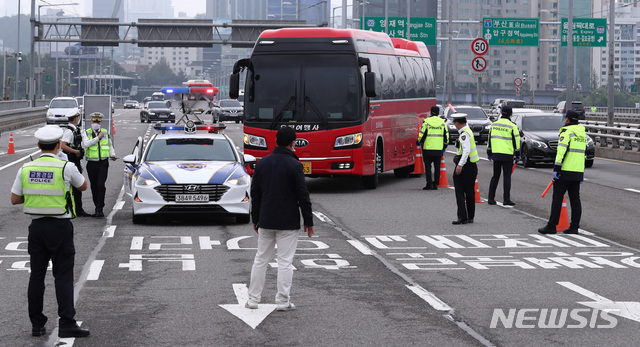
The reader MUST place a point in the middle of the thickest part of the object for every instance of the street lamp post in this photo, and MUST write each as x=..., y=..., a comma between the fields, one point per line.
x=5, y=84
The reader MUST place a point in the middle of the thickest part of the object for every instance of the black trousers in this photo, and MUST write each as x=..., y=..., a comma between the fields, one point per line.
x=97, y=172
x=51, y=239
x=464, y=185
x=434, y=161
x=560, y=187
x=77, y=194
x=506, y=167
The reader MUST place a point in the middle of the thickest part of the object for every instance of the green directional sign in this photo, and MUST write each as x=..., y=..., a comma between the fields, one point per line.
x=511, y=31
x=47, y=79
x=420, y=28
x=590, y=32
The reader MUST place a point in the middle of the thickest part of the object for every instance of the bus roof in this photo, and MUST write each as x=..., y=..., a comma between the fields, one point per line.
x=365, y=41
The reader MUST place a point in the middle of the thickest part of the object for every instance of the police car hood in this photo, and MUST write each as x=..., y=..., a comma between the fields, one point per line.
x=200, y=172
x=64, y=111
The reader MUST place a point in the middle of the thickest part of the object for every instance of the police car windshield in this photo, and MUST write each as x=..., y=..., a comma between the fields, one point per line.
x=63, y=104
x=192, y=149
x=542, y=123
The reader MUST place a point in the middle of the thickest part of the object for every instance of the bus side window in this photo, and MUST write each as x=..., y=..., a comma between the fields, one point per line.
x=408, y=65
x=430, y=83
x=386, y=89
x=399, y=80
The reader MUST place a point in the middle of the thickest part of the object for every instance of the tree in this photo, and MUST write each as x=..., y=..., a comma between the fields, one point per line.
x=595, y=80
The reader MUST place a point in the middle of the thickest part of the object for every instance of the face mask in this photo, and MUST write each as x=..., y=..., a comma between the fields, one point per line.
x=95, y=126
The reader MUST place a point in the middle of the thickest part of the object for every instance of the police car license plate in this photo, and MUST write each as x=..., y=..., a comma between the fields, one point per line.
x=306, y=168
x=192, y=197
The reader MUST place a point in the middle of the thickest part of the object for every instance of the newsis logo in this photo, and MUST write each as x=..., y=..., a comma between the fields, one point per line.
x=555, y=318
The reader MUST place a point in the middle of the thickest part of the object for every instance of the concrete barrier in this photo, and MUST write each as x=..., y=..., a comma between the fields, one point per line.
x=14, y=119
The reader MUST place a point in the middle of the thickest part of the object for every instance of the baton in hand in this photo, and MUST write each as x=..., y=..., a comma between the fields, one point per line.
x=546, y=190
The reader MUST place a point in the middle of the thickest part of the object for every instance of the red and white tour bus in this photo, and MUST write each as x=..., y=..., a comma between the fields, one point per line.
x=354, y=97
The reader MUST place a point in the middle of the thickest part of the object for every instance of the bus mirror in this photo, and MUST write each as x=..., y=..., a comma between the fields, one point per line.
x=370, y=84
x=234, y=86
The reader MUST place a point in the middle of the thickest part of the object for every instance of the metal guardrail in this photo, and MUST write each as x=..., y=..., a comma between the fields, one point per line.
x=13, y=119
x=622, y=134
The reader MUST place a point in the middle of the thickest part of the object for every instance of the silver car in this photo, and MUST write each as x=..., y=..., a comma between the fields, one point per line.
x=60, y=109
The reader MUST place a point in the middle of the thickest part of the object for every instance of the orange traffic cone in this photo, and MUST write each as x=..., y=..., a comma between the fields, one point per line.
x=113, y=126
x=444, y=181
x=418, y=168
x=477, y=188
x=11, y=149
x=563, y=223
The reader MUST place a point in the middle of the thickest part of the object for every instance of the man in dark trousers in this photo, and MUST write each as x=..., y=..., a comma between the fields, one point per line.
x=433, y=138
x=71, y=145
x=99, y=149
x=568, y=173
x=278, y=195
x=503, y=147
x=466, y=171
x=43, y=186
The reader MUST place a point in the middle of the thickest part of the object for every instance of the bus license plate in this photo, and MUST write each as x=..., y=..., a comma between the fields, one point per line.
x=306, y=168
x=192, y=197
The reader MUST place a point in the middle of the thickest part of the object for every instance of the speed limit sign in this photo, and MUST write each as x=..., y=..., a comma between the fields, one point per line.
x=479, y=46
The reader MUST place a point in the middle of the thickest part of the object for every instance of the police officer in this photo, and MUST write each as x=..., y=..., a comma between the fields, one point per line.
x=466, y=171
x=71, y=145
x=43, y=187
x=568, y=173
x=434, y=138
x=502, y=146
x=99, y=149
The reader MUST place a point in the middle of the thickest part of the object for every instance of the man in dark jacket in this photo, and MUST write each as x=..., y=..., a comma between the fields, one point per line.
x=278, y=194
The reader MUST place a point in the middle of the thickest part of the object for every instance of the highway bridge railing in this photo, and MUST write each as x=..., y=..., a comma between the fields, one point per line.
x=17, y=118
x=621, y=135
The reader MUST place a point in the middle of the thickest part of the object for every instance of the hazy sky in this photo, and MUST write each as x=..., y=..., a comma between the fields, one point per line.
x=190, y=7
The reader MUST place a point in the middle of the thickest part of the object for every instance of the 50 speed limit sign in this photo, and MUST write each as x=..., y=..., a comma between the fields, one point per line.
x=479, y=46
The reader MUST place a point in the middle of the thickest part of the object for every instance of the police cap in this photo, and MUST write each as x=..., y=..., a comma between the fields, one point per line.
x=96, y=117
x=435, y=110
x=459, y=115
x=49, y=134
x=573, y=115
x=72, y=116
x=507, y=111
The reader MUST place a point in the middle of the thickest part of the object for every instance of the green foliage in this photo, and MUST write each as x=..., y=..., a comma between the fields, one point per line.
x=160, y=74
x=600, y=97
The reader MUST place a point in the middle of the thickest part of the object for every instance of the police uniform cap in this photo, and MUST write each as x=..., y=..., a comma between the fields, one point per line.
x=573, y=115
x=49, y=134
x=96, y=117
x=459, y=115
x=70, y=117
x=435, y=110
x=507, y=110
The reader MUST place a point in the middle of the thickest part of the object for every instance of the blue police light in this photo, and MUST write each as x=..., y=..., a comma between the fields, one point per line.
x=175, y=90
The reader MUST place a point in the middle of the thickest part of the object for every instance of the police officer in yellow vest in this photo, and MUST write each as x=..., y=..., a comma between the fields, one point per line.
x=43, y=186
x=433, y=138
x=466, y=171
x=502, y=146
x=568, y=173
x=99, y=149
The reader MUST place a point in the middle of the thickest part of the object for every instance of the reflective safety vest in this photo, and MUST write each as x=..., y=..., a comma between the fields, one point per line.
x=44, y=189
x=437, y=134
x=100, y=149
x=572, y=148
x=473, y=154
x=502, y=135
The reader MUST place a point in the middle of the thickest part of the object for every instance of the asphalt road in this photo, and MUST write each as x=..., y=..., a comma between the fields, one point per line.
x=385, y=268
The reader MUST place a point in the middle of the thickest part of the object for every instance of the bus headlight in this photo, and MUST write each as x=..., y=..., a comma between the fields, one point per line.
x=348, y=141
x=254, y=141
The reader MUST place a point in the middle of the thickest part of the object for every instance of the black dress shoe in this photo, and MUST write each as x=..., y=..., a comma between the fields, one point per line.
x=470, y=220
x=73, y=332
x=491, y=202
x=570, y=231
x=98, y=214
x=38, y=331
x=83, y=214
x=547, y=230
x=459, y=221
x=426, y=187
x=509, y=203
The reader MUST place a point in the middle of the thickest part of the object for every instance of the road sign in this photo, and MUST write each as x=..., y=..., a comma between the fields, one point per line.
x=517, y=81
x=590, y=32
x=479, y=46
x=479, y=64
x=511, y=31
x=47, y=79
x=518, y=90
x=422, y=28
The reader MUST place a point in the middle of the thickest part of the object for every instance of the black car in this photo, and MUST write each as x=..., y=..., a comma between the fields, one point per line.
x=539, y=138
x=230, y=110
x=156, y=111
x=477, y=120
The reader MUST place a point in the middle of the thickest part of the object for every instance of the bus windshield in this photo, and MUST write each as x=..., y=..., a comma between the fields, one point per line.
x=315, y=88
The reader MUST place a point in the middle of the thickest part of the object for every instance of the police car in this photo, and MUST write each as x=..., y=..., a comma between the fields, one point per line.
x=188, y=169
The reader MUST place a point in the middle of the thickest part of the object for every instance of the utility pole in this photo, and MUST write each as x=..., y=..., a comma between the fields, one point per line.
x=569, y=89
x=610, y=76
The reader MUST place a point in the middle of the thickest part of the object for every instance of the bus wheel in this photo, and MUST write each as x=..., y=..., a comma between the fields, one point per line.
x=371, y=182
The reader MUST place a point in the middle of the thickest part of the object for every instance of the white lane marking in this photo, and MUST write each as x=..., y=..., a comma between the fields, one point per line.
x=632, y=190
x=253, y=317
x=321, y=217
x=625, y=309
x=360, y=247
x=94, y=270
x=109, y=231
x=19, y=160
x=119, y=205
x=429, y=297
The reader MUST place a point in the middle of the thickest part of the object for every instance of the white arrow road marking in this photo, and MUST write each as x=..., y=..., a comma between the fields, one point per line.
x=625, y=309
x=253, y=317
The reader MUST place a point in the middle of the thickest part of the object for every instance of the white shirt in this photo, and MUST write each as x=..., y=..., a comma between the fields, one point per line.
x=86, y=143
x=70, y=174
x=67, y=135
x=465, y=144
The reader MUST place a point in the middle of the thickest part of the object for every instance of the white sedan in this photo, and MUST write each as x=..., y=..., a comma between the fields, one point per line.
x=185, y=171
